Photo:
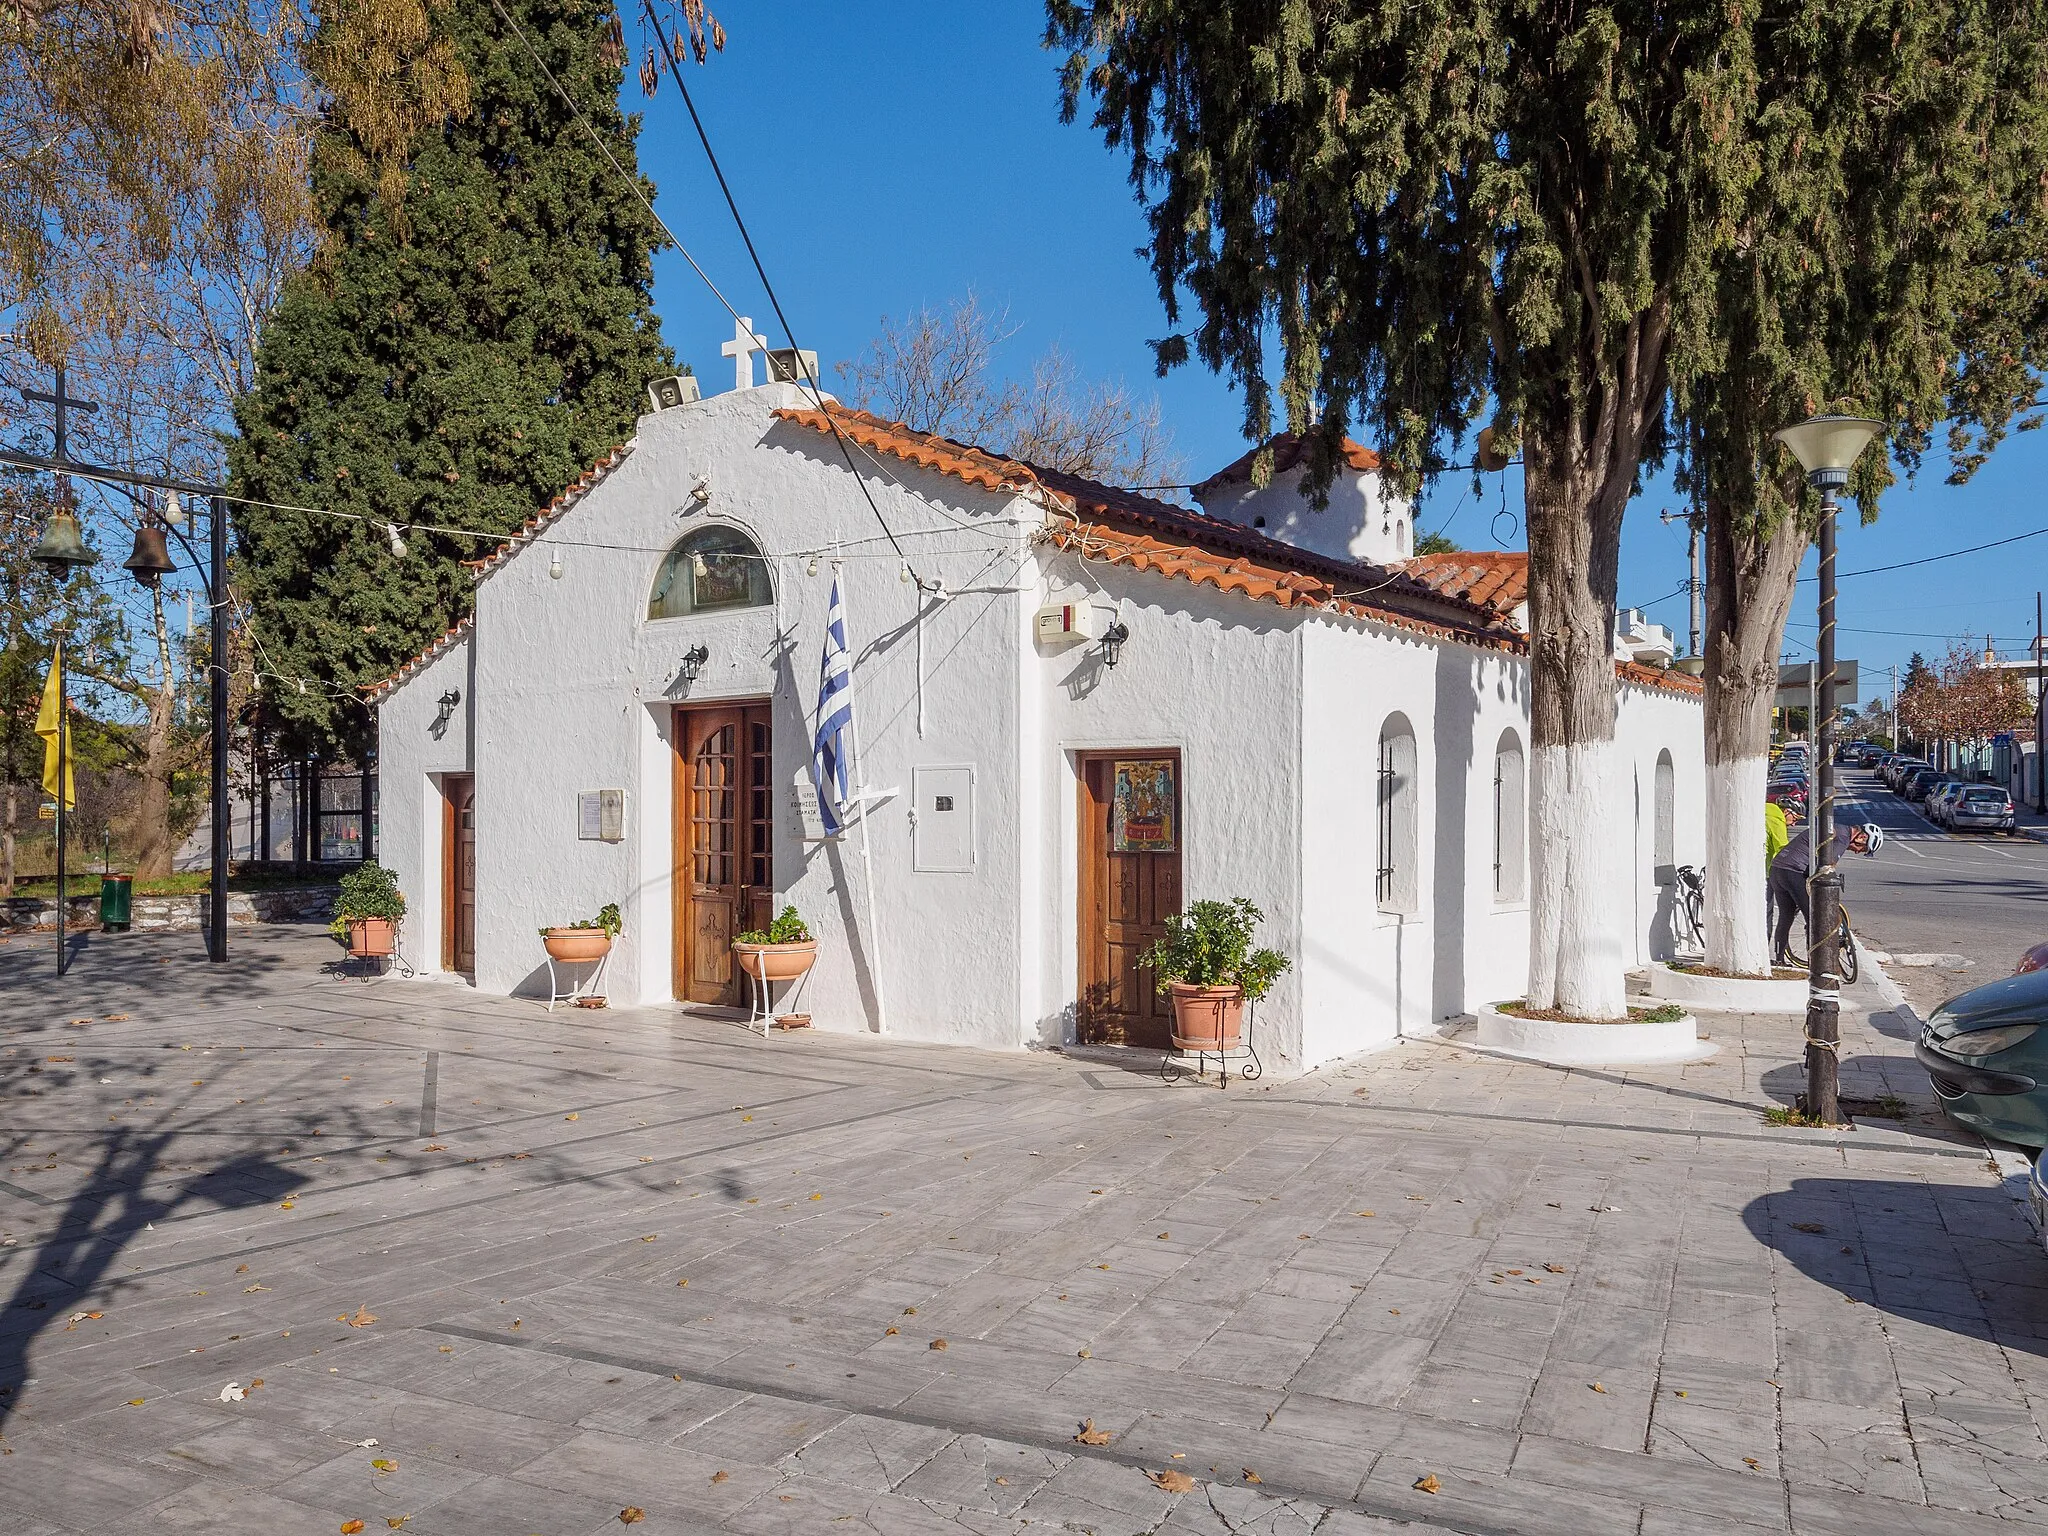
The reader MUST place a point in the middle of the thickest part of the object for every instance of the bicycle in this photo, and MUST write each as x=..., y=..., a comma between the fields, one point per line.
x=1689, y=910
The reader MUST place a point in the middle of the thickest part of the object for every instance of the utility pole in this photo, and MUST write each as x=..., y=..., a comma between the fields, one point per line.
x=1695, y=589
x=2040, y=779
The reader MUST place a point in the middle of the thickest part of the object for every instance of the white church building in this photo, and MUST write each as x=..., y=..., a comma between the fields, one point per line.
x=1077, y=709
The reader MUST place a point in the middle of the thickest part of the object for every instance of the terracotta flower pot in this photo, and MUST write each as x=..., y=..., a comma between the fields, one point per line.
x=372, y=938
x=1207, y=1018
x=571, y=944
x=776, y=962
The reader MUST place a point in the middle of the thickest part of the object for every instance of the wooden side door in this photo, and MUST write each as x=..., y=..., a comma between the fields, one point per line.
x=1125, y=898
x=724, y=831
x=458, y=874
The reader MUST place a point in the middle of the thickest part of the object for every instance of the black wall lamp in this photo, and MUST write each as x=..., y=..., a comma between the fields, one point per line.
x=1113, y=639
x=446, y=704
x=693, y=663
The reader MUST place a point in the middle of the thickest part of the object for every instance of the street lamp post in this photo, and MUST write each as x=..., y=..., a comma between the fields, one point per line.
x=1825, y=446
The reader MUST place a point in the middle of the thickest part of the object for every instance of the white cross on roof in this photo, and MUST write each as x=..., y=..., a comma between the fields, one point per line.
x=741, y=349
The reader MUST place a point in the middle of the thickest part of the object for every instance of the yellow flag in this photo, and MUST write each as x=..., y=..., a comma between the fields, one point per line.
x=49, y=727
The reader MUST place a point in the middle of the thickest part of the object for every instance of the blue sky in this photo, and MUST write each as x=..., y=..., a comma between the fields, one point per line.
x=897, y=156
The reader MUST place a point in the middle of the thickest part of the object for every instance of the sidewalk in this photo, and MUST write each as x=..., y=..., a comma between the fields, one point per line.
x=501, y=1271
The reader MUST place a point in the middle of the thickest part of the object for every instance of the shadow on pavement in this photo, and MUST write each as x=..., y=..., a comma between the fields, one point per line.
x=1878, y=1092
x=1962, y=1258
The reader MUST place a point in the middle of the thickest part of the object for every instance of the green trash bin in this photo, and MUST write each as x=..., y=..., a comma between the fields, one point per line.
x=117, y=902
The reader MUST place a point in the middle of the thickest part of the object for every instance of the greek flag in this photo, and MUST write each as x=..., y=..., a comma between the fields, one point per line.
x=832, y=749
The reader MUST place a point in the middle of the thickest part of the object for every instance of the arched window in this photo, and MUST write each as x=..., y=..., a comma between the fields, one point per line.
x=1398, y=882
x=1664, y=855
x=710, y=569
x=1510, y=819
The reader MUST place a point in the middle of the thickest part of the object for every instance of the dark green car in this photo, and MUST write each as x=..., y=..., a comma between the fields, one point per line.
x=1987, y=1051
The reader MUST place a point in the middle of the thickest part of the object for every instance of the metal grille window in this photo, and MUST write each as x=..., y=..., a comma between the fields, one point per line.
x=1510, y=819
x=1398, y=886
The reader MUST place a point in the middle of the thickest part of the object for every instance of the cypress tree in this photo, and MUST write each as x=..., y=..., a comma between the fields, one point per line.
x=477, y=330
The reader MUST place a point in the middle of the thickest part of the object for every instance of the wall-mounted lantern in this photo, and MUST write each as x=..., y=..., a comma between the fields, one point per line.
x=693, y=663
x=446, y=706
x=1113, y=639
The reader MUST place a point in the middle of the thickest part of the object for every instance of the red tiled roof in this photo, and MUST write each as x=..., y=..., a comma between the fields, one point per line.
x=553, y=512
x=1288, y=450
x=1136, y=513
x=451, y=637
x=1493, y=578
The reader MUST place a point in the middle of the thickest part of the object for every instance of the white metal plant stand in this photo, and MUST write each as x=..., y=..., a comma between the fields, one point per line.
x=761, y=1000
x=588, y=987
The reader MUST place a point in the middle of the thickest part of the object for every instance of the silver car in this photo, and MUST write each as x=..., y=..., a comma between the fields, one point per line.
x=1979, y=805
x=1935, y=808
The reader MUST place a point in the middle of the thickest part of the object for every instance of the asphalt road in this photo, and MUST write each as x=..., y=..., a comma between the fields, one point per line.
x=1977, y=899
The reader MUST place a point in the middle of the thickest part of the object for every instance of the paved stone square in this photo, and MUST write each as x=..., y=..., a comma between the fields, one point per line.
x=285, y=1250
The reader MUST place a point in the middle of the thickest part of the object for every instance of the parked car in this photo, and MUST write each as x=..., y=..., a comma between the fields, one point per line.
x=1921, y=783
x=1896, y=770
x=1935, y=806
x=1870, y=757
x=1790, y=793
x=1987, y=1054
x=1981, y=806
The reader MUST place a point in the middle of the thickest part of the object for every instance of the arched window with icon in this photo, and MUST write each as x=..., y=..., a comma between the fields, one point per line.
x=710, y=570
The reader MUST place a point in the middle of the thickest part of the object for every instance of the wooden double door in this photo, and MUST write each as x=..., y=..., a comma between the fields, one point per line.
x=724, y=844
x=1130, y=840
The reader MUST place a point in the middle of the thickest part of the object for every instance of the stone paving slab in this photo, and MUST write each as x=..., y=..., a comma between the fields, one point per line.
x=557, y=1266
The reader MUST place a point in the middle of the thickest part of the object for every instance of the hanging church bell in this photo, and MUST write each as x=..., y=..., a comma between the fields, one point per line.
x=150, y=561
x=63, y=545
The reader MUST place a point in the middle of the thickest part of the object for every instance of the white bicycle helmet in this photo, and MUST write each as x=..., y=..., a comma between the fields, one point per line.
x=1875, y=833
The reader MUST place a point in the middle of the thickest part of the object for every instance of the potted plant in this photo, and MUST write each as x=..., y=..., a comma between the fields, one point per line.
x=783, y=951
x=1206, y=963
x=588, y=938
x=367, y=911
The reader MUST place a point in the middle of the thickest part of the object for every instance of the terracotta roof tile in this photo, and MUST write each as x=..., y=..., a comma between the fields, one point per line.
x=1288, y=450
x=1138, y=513
x=453, y=636
x=1493, y=578
x=553, y=512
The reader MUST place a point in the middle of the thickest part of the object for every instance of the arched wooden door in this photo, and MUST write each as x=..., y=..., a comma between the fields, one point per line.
x=458, y=884
x=724, y=832
x=1130, y=885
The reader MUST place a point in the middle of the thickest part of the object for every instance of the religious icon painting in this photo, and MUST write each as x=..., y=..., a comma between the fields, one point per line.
x=1144, y=807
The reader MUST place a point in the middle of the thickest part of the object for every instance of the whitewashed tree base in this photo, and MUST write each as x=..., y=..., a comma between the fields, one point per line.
x=1732, y=994
x=1573, y=1044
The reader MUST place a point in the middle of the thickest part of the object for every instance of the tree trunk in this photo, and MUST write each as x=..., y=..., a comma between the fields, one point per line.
x=1579, y=946
x=7, y=841
x=1751, y=576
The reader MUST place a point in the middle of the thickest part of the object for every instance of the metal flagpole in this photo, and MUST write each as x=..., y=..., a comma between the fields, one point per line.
x=63, y=779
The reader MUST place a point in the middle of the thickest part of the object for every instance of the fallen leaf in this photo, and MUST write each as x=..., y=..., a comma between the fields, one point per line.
x=396, y=1522
x=1164, y=1236
x=1004, y=1481
x=287, y=1205
x=1808, y=1226
x=135, y=1402
x=1362, y=1213
x=447, y=1349
x=364, y=1445
x=683, y=1282
x=363, y=1318
x=650, y=1237
x=819, y=1195
x=1751, y=1461
x=241, y=1269
x=1598, y=1388
x=232, y=1392
x=1102, y=1266
x=1173, y=1480
x=434, y=1146
x=746, y=1117
x=1514, y=1271
x=888, y=1332
x=632, y=1514
x=1556, y=1269
x=1678, y=1394
x=1428, y=1483
x=572, y=1115
x=56, y=1058
x=1090, y=1435
x=937, y=1344
x=1252, y=1477
x=116, y=1018
x=910, y=1311
x=1086, y=1354
x=383, y=1465
x=350, y=1527
x=720, y=1476
x=250, y=1290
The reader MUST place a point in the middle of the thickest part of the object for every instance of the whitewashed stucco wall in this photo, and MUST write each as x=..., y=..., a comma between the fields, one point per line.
x=412, y=763
x=1648, y=723
x=1218, y=678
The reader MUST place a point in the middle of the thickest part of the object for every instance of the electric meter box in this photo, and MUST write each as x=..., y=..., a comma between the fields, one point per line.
x=1067, y=624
